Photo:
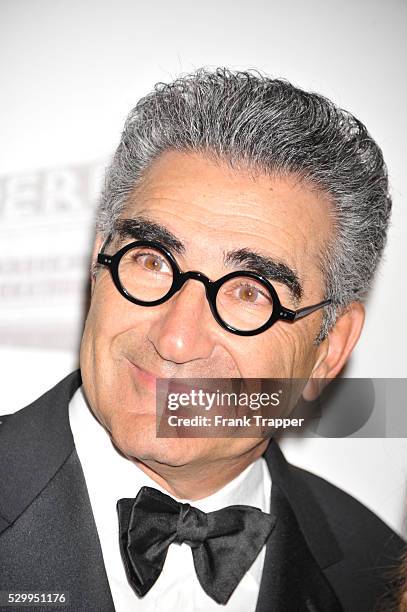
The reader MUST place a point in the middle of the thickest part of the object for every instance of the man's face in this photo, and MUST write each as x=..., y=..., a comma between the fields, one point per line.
x=212, y=210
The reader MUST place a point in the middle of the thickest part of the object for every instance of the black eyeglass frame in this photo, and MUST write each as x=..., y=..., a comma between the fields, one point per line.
x=212, y=288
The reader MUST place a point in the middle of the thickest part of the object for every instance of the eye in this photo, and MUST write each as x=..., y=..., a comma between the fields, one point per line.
x=151, y=261
x=250, y=293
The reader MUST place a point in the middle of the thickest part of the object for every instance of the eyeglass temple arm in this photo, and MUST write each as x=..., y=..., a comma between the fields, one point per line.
x=102, y=258
x=106, y=242
x=294, y=315
x=303, y=312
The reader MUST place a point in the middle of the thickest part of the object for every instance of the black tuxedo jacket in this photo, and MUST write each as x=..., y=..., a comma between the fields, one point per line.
x=326, y=553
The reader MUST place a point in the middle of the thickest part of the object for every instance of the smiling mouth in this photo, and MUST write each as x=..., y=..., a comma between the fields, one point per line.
x=182, y=384
x=143, y=378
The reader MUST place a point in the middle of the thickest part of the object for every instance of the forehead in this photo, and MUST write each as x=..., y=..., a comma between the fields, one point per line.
x=207, y=203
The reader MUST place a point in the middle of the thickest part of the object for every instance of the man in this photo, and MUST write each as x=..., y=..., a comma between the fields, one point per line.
x=284, y=197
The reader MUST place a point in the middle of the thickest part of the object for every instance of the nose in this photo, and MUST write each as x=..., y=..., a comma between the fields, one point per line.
x=184, y=328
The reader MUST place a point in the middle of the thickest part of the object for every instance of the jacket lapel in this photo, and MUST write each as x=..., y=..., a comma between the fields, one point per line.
x=299, y=547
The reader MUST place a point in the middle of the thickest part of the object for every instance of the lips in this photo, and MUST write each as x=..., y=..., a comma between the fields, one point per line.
x=179, y=384
x=146, y=379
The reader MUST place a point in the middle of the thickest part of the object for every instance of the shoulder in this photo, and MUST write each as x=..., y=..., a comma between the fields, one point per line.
x=346, y=515
x=309, y=493
x=327, y=514
x=371, y=550
x=34, y=443
x=52, y=403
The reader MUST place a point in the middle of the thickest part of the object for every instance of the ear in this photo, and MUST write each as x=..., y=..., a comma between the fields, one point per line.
x=335, y=350
x=97, y=245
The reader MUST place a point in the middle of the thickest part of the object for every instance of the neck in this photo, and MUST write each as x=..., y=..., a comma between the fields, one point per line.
x=200, y=479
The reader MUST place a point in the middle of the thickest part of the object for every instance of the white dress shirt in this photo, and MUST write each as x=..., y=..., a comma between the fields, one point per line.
x=109, y=476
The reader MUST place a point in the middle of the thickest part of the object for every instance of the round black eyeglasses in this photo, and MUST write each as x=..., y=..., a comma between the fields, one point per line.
x=242, y=302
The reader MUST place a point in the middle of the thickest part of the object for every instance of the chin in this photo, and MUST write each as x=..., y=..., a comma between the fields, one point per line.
x=136, y=438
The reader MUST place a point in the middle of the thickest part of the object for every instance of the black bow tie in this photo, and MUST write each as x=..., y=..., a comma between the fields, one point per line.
x=224, y=543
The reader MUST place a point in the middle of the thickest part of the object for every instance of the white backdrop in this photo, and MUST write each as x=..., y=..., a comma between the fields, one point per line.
x=69, y=73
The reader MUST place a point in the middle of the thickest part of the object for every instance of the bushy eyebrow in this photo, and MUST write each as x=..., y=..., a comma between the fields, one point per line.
x=142, y=227
x=266, y=266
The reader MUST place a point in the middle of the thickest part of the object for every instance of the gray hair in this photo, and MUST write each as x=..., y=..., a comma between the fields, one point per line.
x=271, y=126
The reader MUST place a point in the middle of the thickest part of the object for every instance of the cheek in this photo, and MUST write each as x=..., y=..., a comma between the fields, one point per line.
x=282, y=352
x=111, y=315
